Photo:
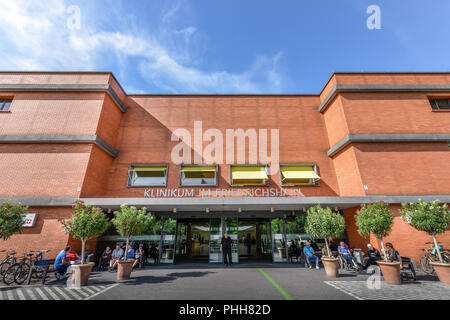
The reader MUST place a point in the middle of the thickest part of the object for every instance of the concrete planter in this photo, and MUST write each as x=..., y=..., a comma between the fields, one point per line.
x=331, y=266
x=391, y=272
x=124, y=269
x=443, y=271
x=80, y=274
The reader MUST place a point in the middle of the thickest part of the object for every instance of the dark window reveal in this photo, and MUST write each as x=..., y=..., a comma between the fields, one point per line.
x=440, y=104
x=5, y=104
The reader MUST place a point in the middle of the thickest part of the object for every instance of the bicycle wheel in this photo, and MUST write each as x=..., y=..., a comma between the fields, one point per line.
x=21, y=273
x=425, y=266
x=8, y=277
x=3, y=267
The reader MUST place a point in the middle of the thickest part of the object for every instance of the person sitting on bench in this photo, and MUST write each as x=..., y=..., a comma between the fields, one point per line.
x=61, y=264
x=374, y=256
x=309, y=254
x=115, y=257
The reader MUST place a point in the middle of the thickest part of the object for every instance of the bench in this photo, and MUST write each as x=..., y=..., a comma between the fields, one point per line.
x=42, y=267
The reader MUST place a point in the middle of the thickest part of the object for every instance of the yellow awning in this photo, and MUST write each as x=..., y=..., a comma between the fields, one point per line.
x=198, y=168
x=149, y=168
x=298, y=172
x=248, y=173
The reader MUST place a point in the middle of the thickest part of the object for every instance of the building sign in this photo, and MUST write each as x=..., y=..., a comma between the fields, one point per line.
x=222, y=193
x=29, y=220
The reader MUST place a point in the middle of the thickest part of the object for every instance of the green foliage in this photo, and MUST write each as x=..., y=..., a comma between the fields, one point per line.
x=86, y=223
x=11, y=219
x=324, y=222
x=130, y=221
x=431, y=217
x=277, y=225
x=170, y=226
x=296, y=224
x=153, y=226
x=374, y=218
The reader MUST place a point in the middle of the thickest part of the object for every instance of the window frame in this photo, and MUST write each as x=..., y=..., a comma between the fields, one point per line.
x=434, y=105
x=11, y=99
x=315, y=168
x=130, y=170
x=180, y=175
x=266, y=167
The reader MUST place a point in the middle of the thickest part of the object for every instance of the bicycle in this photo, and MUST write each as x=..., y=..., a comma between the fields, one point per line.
x=8, y=260
x=18, y=272
x=424, y=262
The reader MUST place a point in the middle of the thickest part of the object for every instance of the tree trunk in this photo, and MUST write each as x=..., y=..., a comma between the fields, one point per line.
x=83, y=245
x=437, y=248
x=126, y=249
x=328, y=248
x=383, y=250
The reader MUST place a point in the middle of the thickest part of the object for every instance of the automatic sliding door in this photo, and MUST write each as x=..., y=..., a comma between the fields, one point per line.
x=215, y=236
x=167, y=252
x=278, y=240
x=231, y=227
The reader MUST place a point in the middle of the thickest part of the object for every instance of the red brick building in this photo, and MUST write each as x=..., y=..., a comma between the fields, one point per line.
x=366, y=137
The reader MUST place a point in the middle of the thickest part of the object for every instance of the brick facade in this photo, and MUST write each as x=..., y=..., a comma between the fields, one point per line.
x=82, y=169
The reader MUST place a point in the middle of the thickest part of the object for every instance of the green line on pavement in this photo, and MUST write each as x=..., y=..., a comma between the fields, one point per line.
x=276, y=285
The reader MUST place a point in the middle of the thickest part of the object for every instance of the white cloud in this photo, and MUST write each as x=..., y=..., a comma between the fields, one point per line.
x=34, y=36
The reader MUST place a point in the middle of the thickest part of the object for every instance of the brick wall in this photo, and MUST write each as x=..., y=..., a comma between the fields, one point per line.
x=47, y=234
x=405, y=238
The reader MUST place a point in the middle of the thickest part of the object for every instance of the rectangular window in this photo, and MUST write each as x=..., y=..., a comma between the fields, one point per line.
x=5, y=104
x=198, y=175
x=147, y=176
x=299, y=175
x=251, y=175
x=440, y=104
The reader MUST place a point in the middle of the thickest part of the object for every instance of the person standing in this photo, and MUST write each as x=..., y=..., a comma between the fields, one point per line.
x=225, y=248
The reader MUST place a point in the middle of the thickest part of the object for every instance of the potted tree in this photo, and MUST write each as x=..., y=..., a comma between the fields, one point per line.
x=325, y=223
x=129, y=221
x=11, y=219
x=86, y=223
x=377, y=219
x=434, y=219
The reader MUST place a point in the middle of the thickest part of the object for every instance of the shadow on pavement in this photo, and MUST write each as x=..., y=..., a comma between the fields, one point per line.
x=194, y=274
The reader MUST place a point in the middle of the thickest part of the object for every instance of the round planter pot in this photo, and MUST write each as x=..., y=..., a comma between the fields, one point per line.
x=80, y=274
x=124, y=269
x=391, y=272
x=331, y=266
x=443, y=271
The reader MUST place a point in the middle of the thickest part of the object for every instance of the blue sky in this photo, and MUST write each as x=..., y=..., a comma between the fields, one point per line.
x=209, y=46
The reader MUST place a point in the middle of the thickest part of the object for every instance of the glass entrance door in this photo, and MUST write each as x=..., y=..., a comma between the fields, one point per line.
x=215, y=236
x=192, y=242
x=231, y=227
x=167, y=245
x=254, y=239
x=278, y=231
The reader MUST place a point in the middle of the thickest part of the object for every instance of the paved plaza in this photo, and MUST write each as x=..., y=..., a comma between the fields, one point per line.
x=250, y=282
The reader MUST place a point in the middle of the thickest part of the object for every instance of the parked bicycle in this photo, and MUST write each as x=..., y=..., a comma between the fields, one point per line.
x=18, y=272
x=8, y=260
x=432, y=256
